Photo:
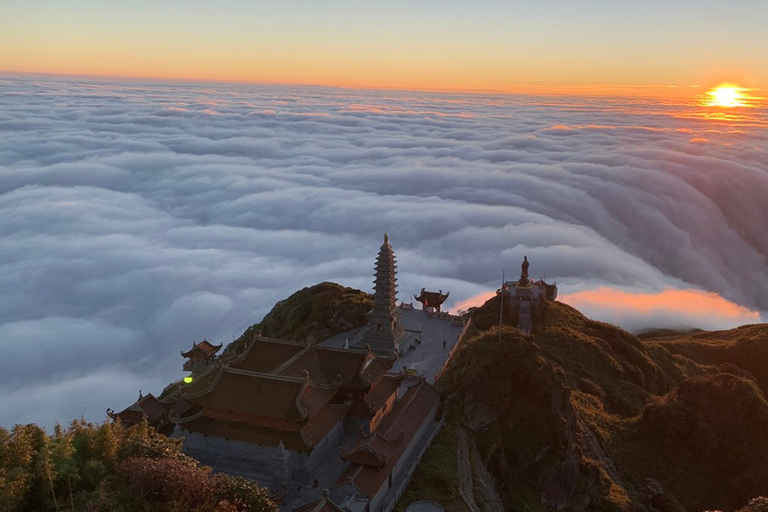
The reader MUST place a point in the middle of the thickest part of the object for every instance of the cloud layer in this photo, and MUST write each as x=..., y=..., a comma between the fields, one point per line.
x=138, y=217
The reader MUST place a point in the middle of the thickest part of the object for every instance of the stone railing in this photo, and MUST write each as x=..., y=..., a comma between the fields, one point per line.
x=193, y=365
x=455, y=346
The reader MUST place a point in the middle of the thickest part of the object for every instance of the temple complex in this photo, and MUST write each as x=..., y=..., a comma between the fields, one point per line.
x=523, y=298
x=299, y=417
x=431, y=301
x=337, y=425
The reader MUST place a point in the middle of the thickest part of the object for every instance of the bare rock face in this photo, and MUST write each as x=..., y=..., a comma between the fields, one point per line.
x=481, y=412
x=558, y=490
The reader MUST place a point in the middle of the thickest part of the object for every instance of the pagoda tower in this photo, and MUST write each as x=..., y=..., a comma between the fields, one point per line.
x=384, y=329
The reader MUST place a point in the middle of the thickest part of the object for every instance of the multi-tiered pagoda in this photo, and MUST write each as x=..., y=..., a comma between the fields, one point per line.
x=384, y=328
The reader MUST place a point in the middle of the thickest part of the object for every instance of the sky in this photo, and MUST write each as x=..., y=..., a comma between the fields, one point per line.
x=649, y=48
x=140, y=216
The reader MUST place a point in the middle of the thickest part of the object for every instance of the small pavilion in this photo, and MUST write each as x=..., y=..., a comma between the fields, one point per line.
x=431, y=302
x=200, y=357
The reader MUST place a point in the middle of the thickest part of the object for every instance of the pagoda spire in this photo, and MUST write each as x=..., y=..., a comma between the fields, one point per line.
x=385, y=284
x=384, y=330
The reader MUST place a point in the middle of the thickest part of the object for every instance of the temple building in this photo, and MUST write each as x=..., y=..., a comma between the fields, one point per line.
x=148, y=407
x=200, y=357
x=431, y=301
x=290, y=392
x=523, y=298
x=378, y=461
x=302, y=416
x=385, y=331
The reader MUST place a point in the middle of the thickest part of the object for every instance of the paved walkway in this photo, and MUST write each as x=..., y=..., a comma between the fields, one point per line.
x=426, y=353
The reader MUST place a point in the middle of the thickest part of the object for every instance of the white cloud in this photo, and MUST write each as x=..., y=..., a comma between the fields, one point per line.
x=137, y=217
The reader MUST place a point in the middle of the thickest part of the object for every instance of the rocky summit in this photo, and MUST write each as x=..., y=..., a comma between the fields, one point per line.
x=581, y=415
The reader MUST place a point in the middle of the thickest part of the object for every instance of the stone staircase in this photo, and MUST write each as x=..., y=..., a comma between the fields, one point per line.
x=524, y=320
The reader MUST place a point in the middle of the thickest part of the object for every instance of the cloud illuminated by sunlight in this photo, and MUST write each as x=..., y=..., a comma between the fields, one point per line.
x=475, y=301
x=670, y=308
x=634, y=311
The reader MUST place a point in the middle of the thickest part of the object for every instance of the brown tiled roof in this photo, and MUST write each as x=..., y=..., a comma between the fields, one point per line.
x=253, y=394
x=432, y=299
x=179, y=406
x=324, y=504
x=265, y=355
x=359, y=369
x=146, y=405
x=384, y=389
x=365, y=456
x=154, y=408
x=323, y=422
x=130, y=416
x=376, y=366
x=201, y=350
x=395, y=433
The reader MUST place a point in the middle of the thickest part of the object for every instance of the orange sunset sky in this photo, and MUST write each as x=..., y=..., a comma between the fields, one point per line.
x=553, y=46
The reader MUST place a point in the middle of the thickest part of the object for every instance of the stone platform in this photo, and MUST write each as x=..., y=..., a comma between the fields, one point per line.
x=422, y=348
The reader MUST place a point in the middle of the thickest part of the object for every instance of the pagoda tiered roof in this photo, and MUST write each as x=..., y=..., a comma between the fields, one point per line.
x=203, y=350
x=432, y=299
x=385, y=284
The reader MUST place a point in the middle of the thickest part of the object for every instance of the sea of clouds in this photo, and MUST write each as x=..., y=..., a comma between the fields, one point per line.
x=139, y=217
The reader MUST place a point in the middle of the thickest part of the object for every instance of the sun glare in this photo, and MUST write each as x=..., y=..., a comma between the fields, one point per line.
x=726, y=96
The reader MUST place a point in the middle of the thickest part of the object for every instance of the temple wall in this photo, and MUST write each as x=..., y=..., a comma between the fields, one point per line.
x=234, y=457
x=324, y=452
x=261, y=462
x=404, y=463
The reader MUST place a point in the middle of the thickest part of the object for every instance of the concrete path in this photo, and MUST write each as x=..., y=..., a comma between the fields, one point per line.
x=466, y=485
x=427, y=356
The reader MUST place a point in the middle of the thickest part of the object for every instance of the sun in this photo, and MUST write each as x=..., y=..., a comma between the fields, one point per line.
x=726, y=95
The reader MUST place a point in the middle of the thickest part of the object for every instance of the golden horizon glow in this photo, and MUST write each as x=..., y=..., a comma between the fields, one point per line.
x=668, y=92
x=488, y=46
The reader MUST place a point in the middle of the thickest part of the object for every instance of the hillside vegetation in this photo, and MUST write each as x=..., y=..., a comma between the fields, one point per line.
x=740, y=350
x=581, y=415
x=323, y=310
x=109, y=468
